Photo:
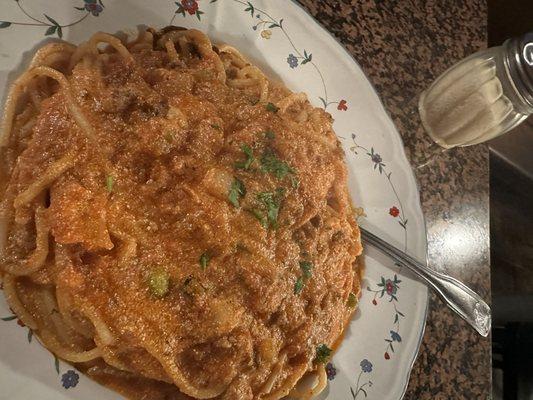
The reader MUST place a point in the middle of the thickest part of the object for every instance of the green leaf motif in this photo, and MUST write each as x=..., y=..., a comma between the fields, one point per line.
x=30, y=335
x=56, y=364
x=4, y=24
x=250, y=8
x=10, y=318
x=180, y=10
x=50, y=31
x=53, y=21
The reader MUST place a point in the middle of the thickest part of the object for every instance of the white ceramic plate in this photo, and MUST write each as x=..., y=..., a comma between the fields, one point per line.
x=381, y=344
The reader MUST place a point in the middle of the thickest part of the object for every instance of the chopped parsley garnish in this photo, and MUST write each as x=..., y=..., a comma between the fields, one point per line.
x=270, y=135
x=307, y=272
x=295, y=182
x=204, y=260
x=272, y=164
x=236, y=191
x=270, y=203
x=307, y=269
x=158, y=283
x=109, y=182
x=192, y=286
x=299, y=285
x=169, y=136
x=260, y=217
x=247, y=163
x=272, y=108
x=352, y=300
x=323, y=353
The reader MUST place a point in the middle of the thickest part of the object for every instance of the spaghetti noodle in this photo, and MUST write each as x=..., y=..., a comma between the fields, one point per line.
x=173, y=223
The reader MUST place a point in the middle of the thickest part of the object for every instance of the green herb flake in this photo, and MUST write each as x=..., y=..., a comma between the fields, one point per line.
x=193, y=287
x=109, y=183
x=352, y=301
x=298, y=285
x=272, y=164
x=270, y=205
x=260, y=217
x=158, y=283
x=295, y=182
x=236, y=192
x=204, y=260
x=272, y=108
x=169, y=136
x=270, y=135
x=323, y=353
x=307, y=269
x=247, y=163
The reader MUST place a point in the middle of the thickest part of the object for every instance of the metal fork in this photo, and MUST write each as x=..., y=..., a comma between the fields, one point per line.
x=459, y=297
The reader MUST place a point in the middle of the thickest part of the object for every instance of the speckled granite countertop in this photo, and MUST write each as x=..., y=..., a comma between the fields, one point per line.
x=402, y=45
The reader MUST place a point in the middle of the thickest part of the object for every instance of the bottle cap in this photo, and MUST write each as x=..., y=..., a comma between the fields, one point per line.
x=519, y=59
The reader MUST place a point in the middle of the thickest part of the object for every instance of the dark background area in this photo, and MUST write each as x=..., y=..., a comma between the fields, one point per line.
x=511, y=225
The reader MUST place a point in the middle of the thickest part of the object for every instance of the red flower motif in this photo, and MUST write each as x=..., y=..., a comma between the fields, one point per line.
x=390, y=287
x=342, y=105
x=394, y=211
x=20, y=323
x=387, y=356
x=191, y=6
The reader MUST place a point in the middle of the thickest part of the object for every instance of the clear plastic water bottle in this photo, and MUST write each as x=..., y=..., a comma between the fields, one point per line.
x=482, y=96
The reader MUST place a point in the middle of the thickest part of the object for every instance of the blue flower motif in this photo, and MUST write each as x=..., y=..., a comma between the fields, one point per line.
x=70, y=379
x=292, y=61
x=331, y=371
x=366, y=366
x=395, y=336
x=93, y=7
x=376, y=158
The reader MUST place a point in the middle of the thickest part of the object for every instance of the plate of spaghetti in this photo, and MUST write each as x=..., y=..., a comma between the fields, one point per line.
x=181, y=189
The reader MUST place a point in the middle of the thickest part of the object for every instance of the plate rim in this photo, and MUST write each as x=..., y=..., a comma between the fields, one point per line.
x=402, y=158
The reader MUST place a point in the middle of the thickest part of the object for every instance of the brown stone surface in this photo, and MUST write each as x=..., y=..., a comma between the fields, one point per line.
x=402, y=45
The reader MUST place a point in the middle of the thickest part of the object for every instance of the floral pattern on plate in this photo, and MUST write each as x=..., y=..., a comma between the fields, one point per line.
x=274, y=25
